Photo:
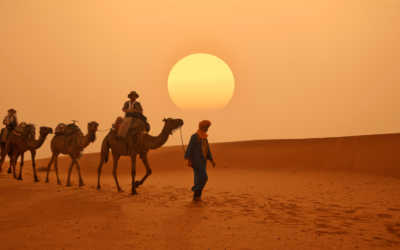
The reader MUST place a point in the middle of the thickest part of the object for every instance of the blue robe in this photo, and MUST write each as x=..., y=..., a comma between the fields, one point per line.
x=195, y=152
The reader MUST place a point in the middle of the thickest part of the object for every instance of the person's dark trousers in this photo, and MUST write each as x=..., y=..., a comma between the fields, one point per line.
x=197, y=193
x=200, y=177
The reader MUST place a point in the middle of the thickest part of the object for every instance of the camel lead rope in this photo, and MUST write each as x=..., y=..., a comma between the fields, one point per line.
x=180, y=129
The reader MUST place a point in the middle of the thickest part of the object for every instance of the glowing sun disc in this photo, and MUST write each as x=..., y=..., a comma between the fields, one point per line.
x=201, y=82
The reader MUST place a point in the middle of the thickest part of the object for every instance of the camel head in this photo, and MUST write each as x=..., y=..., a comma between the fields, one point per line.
x=45, y=131
x=172, y=124
x=92, y=128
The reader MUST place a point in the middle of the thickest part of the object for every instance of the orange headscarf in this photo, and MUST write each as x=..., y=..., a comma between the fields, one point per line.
x=201, y=133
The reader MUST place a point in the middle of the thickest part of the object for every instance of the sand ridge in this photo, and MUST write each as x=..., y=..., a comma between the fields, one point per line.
x=278, y=194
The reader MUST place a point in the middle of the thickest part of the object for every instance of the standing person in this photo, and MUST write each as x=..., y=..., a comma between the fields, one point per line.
x=11, y=121
x=197, y=154
x=131, y=106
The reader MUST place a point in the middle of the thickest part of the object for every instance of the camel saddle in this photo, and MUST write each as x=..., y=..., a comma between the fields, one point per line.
x=136, y=129
x=60, y=129
x=137, y=115
x=71, y=128
x=23, y=129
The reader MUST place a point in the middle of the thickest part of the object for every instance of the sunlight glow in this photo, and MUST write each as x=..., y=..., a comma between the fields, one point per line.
x=201, y=82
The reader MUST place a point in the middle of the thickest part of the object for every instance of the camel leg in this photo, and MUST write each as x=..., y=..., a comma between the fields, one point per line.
x=1, y=161
x=104, y=153
x=133, y=173
x=77, y=168
x=69, y=174
x=115, y=159
x=21, y=165
x=3, y=158
x=14, y=163
x=33, y=154
x=49, y=167
x=56, y=169
x=9, y=169
x=102, y=158
x=10, y=155
x=99, y=172
x=145, y=160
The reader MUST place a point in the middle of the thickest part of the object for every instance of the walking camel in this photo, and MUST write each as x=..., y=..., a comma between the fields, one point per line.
x=71, y=145
x=2, y=151
x=19, y=145
x=33, y=145
x=135, y=143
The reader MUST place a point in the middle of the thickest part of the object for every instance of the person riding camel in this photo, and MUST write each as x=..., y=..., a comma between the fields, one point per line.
x=132, y=105
x=131, y=109
x=11, y=121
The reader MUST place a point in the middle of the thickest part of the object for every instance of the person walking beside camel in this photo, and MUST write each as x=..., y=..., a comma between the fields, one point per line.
x=197, y=154
x=11, y=121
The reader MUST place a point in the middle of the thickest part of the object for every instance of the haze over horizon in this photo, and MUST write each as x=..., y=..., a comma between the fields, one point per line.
x=302, y=70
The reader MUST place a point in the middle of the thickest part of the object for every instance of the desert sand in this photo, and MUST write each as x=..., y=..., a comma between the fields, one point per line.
x=329, y=193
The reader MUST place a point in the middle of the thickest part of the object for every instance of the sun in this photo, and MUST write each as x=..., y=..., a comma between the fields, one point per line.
x=201, y=82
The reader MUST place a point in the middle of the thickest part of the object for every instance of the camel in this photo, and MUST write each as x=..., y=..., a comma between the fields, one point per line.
x=135, y=143
x=2, y=150
x=33, y=145
x=71, y=145
x=18, y=145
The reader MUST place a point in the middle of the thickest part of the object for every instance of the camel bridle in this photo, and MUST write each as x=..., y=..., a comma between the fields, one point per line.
x=180, y=129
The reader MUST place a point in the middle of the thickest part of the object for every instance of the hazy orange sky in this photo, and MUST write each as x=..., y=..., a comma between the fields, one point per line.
x=302, y=68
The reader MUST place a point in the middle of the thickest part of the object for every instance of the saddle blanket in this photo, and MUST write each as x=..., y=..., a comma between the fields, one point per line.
x=20, y=129
x=118, y=122
x=60, y=129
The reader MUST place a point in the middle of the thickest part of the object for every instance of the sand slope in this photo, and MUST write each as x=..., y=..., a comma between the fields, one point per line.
x=330, y=193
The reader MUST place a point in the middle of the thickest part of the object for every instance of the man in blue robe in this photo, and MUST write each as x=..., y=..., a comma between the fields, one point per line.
x=197, y=154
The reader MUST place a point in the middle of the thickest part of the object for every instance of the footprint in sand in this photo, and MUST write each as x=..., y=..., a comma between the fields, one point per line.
x=384, y=216
x=393, y=228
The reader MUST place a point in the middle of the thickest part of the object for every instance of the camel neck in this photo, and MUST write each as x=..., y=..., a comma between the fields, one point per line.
x=151, y=142
x=38, y=143
x=87, y=139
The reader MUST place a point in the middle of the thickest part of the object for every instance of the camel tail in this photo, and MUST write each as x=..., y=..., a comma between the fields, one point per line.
x=105, y=150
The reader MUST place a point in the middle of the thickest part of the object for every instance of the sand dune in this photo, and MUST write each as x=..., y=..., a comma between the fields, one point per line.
x=329, y=193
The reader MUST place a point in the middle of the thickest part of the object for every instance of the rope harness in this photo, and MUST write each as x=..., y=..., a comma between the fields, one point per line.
x=105, y=129
x=184, y=151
